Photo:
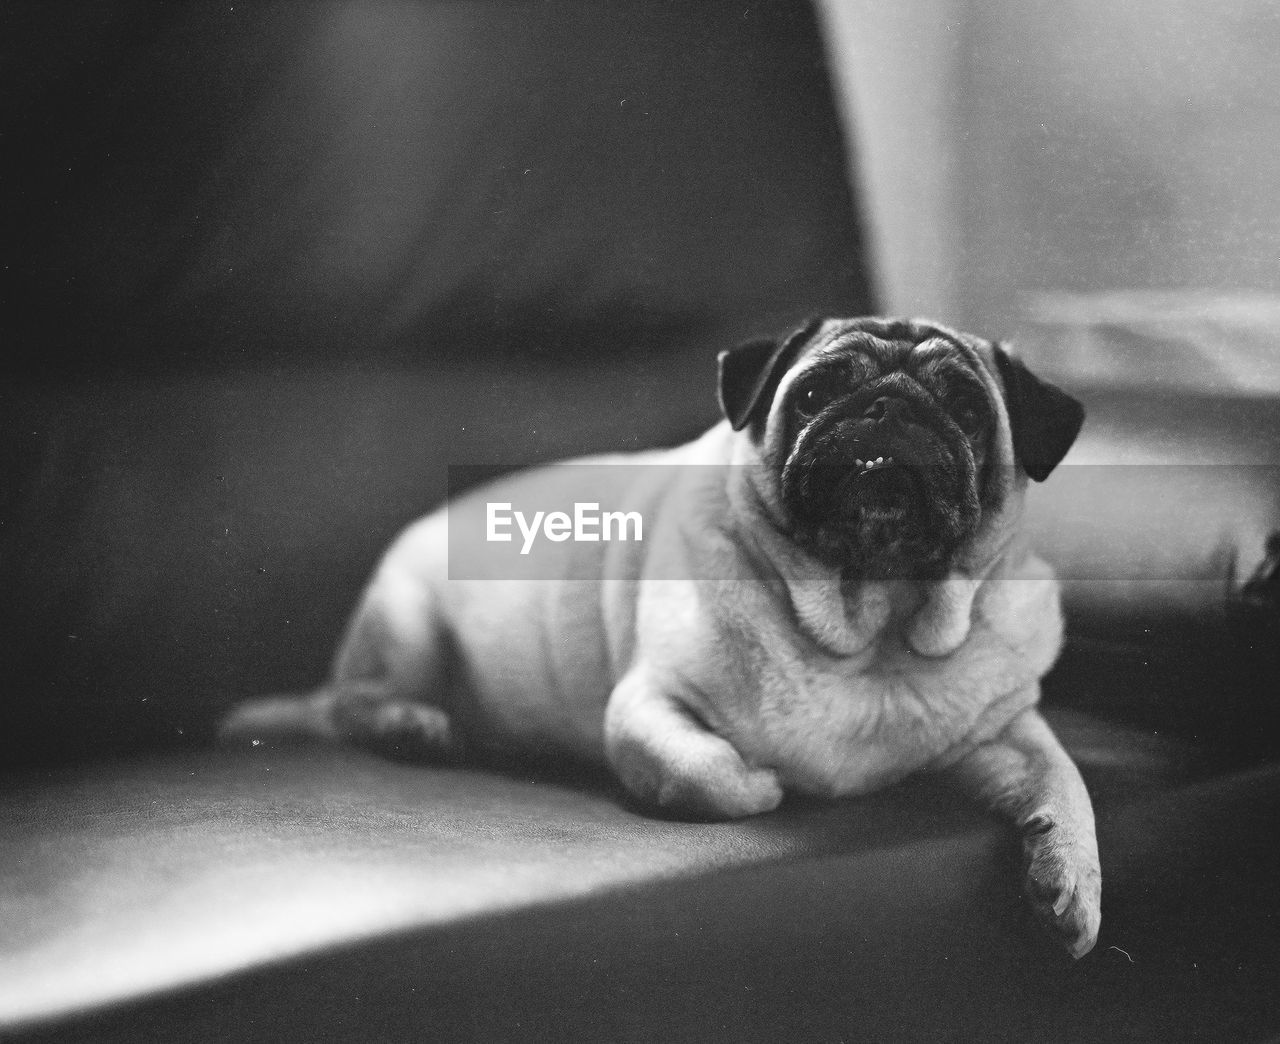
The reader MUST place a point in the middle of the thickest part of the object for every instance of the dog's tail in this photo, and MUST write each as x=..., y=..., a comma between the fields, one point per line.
x=281, y=720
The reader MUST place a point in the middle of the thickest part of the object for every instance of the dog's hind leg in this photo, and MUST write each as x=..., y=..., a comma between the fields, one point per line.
x=383, y=691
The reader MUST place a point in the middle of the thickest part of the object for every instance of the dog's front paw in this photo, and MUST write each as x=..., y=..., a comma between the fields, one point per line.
x=706, y=779
x=1063, y=883
x=720, y=791
x=666, y=755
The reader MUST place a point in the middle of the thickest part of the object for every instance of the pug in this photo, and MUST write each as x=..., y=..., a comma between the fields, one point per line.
x=833, y=592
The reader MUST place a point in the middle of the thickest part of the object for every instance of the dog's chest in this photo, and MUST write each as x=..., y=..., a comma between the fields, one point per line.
x=851, y=725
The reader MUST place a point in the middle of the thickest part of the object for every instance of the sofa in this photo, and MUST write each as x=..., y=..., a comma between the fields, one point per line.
x=271, y=271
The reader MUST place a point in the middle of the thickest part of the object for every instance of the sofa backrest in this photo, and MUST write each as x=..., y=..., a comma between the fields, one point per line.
x=270, y=268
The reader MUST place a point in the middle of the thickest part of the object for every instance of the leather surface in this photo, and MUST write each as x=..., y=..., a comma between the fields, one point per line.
x=903, y=940
x=127, y=880
x=272, y=267
x=212, y=187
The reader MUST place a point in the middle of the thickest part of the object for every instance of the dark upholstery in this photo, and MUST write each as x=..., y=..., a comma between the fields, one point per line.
x=269, y=269
x=328, y=895
x=216, y=186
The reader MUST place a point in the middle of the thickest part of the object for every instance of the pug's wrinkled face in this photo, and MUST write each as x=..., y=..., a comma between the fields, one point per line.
x=880, y=447
x=879, y=437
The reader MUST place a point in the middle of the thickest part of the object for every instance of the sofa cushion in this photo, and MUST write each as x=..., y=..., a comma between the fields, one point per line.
x=288, y=895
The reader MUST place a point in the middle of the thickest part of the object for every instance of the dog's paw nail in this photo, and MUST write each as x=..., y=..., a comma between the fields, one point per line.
x=1064, y=888
x=1081, y=948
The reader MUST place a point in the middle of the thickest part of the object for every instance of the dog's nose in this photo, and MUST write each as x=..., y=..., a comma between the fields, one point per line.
x=884, y=408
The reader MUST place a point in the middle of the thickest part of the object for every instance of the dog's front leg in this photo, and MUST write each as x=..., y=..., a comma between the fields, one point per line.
x=1024, y=773
x=664, y=754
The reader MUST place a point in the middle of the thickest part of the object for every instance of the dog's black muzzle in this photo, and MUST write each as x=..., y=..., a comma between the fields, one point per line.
x=881, y=482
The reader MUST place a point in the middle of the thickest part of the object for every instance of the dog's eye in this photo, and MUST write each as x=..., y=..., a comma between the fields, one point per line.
x=971, y=418
x=814, y=399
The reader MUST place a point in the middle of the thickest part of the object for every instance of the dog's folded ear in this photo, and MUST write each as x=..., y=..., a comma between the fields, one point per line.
x=1044, y=419
x=751, y=371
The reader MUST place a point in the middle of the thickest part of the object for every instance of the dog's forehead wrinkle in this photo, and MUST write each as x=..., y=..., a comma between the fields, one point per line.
x=929, y=349
x=885, y=356
x=934, y=348
x=948, y=362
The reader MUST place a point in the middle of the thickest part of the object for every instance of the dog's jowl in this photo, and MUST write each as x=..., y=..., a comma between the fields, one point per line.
x=832, y=592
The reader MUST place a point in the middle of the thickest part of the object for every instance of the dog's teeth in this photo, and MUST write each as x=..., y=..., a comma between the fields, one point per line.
x=860, y=462
x=879, y=460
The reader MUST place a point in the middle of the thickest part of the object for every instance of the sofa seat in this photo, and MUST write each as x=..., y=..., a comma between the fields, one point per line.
x=326, y=894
